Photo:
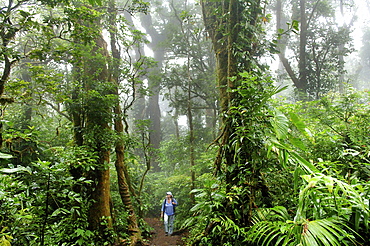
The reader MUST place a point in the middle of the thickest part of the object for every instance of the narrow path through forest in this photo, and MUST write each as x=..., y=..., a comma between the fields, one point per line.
x=158, y=236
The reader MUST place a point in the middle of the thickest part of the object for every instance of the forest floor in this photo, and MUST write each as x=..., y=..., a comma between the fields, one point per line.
x=158, y=236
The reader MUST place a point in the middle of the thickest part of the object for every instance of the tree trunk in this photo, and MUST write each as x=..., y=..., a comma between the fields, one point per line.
x=153, y=109
x=122, y=174
x=90, y=126
x=224, y=21
x=7, y=34
x=123, y=184
x=302, y=84
x=225, y=60
x=191, y=136
x=211, y=22
x=176, y=124
x=299, y=78
x=100, y=211
x=27, y=116
x=154, y=113
x=211, y=121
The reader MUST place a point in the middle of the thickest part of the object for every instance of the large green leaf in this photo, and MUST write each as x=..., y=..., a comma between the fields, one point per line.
x=280, y=124
x=5, y=156
x=15, y=170
x=300, y=125
x=323, y=232
x=306, y=165
x=328, y=232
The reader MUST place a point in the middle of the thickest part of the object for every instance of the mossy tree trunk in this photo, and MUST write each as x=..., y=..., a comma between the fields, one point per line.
x=120, y=164
x=91, y=111
x=98, y=117
x=225, y=21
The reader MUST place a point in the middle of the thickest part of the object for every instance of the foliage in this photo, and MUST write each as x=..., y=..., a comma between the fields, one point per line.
x=207, y=211
x=223, y=212
x=312, y=158
x=16, y=219
x=335, y=129
x=329, y=212
x=326, y=192
x=332, y=201
x=175, y=155
x=281, y=230
x=49, y=207
x=325, y=67
x=175, y=177
x=319, y=49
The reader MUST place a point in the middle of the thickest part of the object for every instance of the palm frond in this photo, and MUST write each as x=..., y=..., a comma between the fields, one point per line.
x=327, y=232
x=273, y=228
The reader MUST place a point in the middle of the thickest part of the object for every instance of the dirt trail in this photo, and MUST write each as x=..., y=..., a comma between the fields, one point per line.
x=158, y=236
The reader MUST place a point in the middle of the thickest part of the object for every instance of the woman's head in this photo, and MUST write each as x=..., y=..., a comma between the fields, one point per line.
x=168, y=194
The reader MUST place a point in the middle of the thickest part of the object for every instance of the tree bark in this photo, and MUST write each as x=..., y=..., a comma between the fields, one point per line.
x=123, y=184
x=90, y=126
x=120, y=164
x=100, y=210
x=226, y=65
x=224, y=21
x=212, y=22
x=100, y=217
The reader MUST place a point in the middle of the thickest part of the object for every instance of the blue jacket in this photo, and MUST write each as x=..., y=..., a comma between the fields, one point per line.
x=169, y=209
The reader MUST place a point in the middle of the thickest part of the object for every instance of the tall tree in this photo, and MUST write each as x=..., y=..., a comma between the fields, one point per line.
x=153, y=111
x=91, y=111
x=119, y=61
x=320, y=47
x=239, y=160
